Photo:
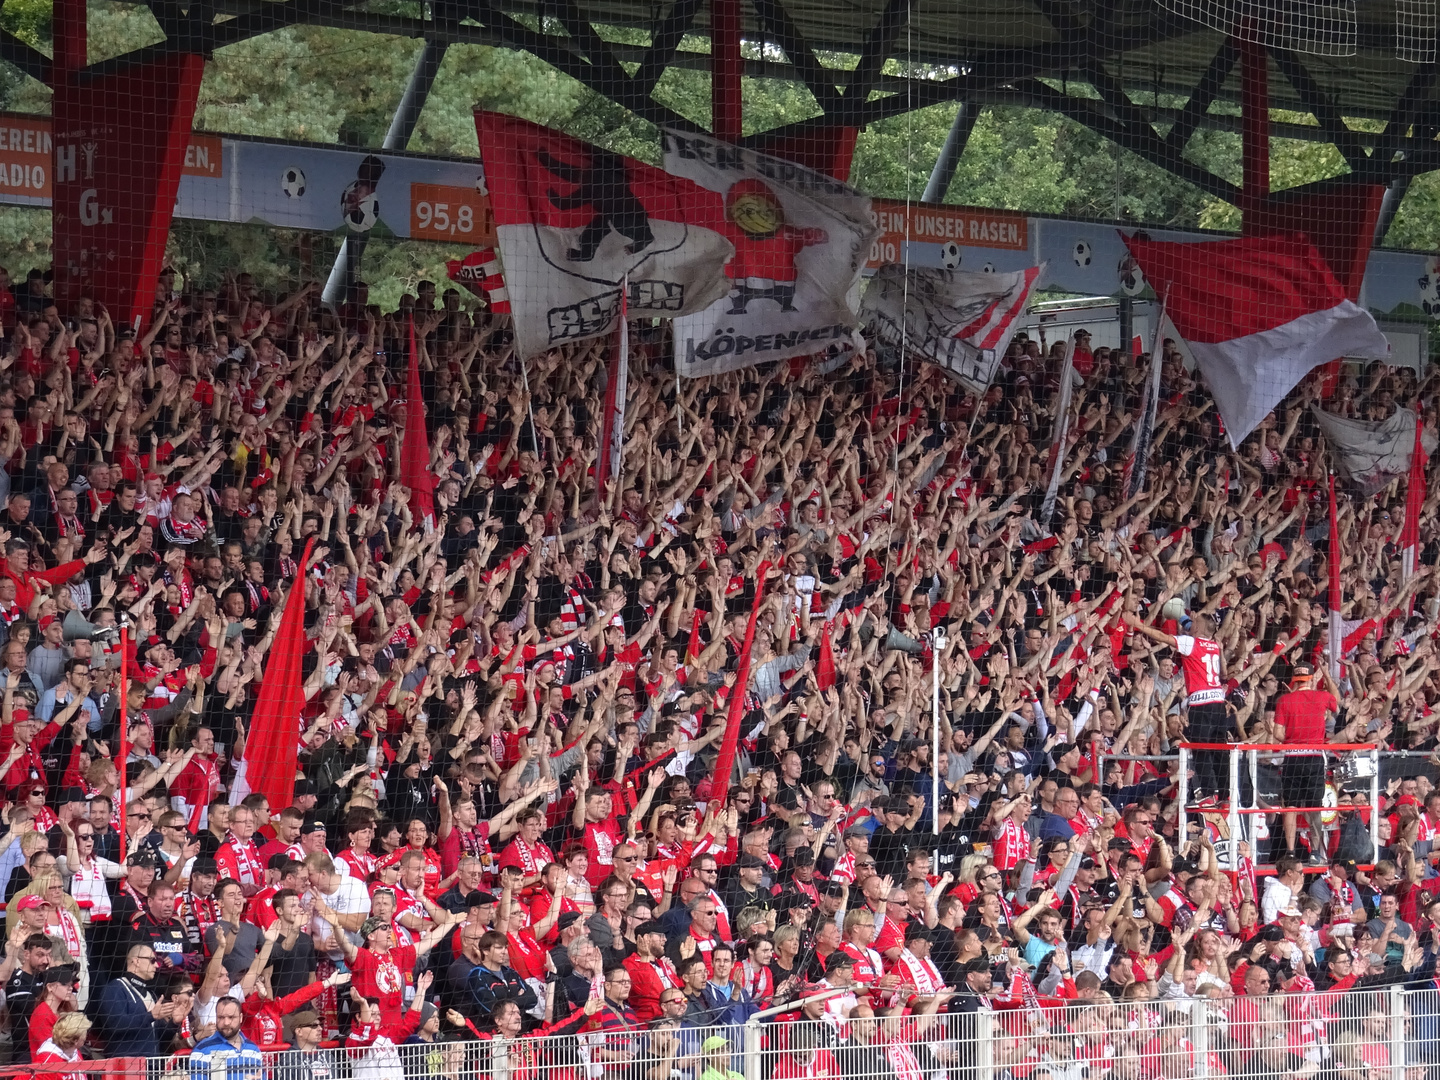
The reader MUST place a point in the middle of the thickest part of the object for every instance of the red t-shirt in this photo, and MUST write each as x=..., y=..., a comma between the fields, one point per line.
x=1302, y=714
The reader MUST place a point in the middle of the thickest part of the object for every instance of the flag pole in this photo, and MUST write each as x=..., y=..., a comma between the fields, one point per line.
x=1149, y=408
x=529, y=407
x=679, y=409
x=124, y=748
x=1336, y=627
x=1062, y=433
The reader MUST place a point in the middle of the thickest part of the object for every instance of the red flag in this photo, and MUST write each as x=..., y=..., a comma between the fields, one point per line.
x=269, y=765
x=415, y=450
x=480, y=273
x=725, y=762
x=1414, y=503
x=825, y=666
x=692, y=650
x=1337, y=632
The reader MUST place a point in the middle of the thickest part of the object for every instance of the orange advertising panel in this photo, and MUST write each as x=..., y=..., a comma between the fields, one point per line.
x=923, y=224
x=203, y=157
x=25, y=152
x=445, y=212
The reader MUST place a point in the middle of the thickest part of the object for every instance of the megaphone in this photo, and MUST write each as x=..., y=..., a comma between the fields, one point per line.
x=76, y=626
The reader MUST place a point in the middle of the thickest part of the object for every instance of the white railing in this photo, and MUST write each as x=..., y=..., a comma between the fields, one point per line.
x=1373, y=1034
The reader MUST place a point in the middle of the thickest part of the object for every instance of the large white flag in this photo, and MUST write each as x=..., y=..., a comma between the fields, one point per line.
x=1368, y=453
x=801, y=239
x=961, y=320
x=574, y=221
x=1259, y=313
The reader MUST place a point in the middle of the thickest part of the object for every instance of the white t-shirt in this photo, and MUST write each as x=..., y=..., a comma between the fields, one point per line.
x=349, y=897
x=200, y=1015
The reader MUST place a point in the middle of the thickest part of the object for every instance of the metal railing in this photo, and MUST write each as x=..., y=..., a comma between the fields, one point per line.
x=1251, y=753
x=1187, y=1032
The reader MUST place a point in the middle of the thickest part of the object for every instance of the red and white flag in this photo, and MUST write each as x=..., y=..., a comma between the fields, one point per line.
x=1258, y=313
x=575, y=221
x=480, y=272
x=960, y=320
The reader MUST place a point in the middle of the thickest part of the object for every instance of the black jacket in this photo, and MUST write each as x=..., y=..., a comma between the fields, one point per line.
x=489, y=988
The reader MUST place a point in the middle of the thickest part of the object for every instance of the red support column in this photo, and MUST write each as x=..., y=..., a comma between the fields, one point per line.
x=71, y=35
x=725, y=68
x=120, y=143
x=1338, y=215
x=1254, y=124
x=823, y=147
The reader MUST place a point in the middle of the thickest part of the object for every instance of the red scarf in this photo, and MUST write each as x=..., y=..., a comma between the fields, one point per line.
x=249, y=869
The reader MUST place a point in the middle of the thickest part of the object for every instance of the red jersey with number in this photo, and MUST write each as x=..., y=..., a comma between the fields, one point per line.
x=1200, y=660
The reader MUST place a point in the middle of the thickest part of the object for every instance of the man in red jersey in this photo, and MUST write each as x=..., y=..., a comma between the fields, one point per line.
x=1300, y=715
x=1202, y=662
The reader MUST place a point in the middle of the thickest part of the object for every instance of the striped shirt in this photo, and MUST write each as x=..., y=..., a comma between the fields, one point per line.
x=217, y=1057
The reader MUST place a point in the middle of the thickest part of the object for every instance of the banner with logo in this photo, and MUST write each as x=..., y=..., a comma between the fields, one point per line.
x=574, y=222
x=801, y=241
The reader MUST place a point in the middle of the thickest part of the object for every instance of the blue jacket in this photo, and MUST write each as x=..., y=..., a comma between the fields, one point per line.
x=735, y=1010
x=124, y=1018
x=238, y=1064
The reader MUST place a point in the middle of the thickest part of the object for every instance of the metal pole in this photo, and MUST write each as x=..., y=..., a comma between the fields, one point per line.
x=1389, y=207
x=1234, y=814
x=534, y=435
x=402, y=126
x=950, y=153
x=1200, y=1036
x=124, y=748
x=1374, y=805
x=937, y=649
x=1397, y=1027
x=412, y=101
x=985, y=1036
x=1183, y=780
x=752, y=1049
x=679, y=408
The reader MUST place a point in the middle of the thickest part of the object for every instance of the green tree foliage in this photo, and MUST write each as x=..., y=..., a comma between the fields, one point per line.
x=332, y=86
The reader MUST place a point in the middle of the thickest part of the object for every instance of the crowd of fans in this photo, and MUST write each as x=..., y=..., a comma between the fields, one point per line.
x=507, y=822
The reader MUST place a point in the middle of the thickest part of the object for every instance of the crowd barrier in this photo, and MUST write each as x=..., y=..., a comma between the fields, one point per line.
x=1363, y=760
x=1380, y=1034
